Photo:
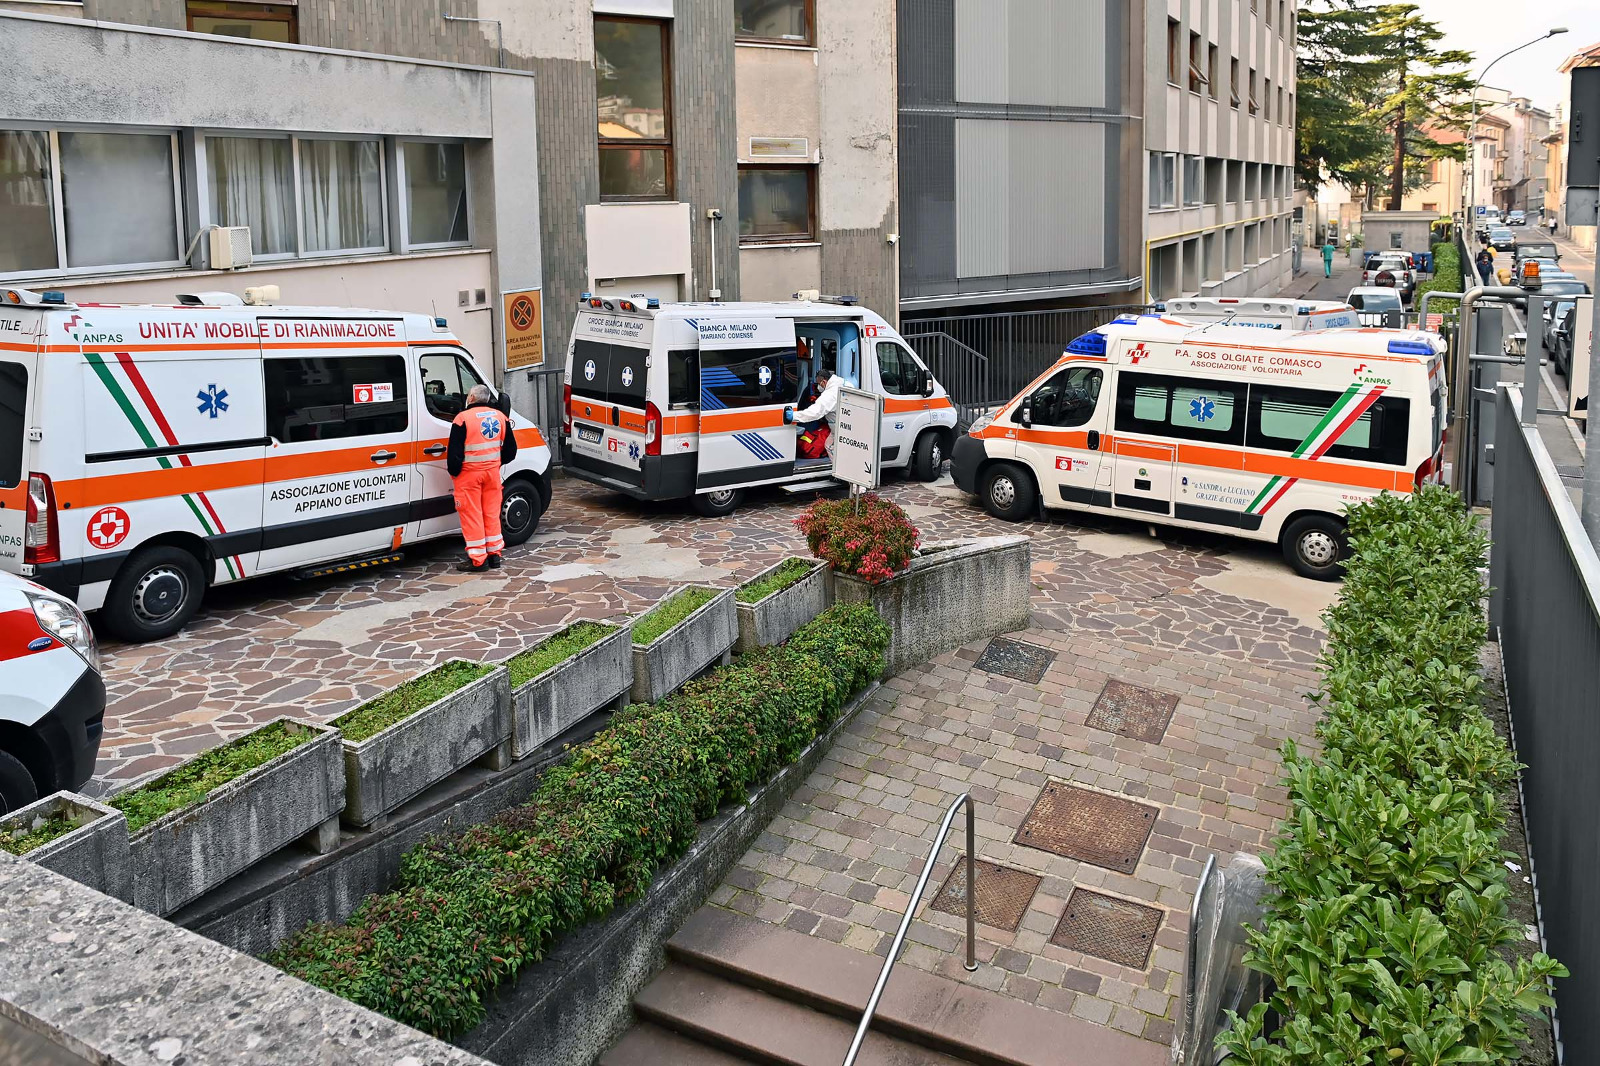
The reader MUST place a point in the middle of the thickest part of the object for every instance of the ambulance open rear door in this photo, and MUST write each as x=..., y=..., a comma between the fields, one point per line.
x=18, y=379
x=749, y=383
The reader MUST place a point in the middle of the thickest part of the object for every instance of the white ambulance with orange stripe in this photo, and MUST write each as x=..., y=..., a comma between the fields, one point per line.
x=698, y=401
x=149, y=452
x=1269, y=436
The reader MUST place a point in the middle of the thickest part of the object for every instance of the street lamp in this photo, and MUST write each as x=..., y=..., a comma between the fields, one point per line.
x=1471, y=212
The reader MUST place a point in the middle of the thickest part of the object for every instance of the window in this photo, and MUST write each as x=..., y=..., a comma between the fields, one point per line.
x=1197, y=76
x=631, y=78
x=732, y=377
x=436, y=193
x=1266, y=94
x=13, y=422
x=1233, y=82
x=897, y=371
x=1283, y=116
x=341, y=187
x=446, y=380
x=1254, y=106
x=1283, y=419
x=1187, y=408
x=1193, y=183
x=1068, y=399
x=1163, y=179
x=1282, y=17
x=1211, y=71
x=27, y=203
x=251, y=182
x=615, y=373
x=314, y=399
x=785, y=21
x=683, y=377
x=1174, y=52
x=776, y=204
x=119, y=197
x=258, y=22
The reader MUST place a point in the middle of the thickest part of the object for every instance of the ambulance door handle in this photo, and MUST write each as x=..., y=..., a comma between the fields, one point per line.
x=616, y=416
x=1094, y=440
x=384, y=457
x=434, y=449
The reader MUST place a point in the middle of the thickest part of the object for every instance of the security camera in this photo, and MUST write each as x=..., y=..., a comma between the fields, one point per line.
x=714, y=214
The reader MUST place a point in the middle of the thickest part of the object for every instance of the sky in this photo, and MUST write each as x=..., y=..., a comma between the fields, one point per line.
x=1487, y=28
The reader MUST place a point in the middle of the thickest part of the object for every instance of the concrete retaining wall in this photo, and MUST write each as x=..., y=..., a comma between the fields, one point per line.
x=950, y=595
x=389, y=767
x=774, y=618
x=94, y=854
x=562, y=696
x=686, y=649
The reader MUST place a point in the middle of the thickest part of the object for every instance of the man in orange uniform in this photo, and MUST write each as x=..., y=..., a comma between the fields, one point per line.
x=480, y=440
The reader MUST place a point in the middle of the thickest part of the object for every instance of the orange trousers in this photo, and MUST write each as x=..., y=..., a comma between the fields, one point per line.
x=478, y=496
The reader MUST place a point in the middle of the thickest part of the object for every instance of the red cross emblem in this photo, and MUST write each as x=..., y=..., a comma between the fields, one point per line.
x=108, y=527
x=1138, y=352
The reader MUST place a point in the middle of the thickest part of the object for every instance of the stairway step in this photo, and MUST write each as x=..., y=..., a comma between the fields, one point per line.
x=964, y=1021
x=650, y=1045
x=742, y=1021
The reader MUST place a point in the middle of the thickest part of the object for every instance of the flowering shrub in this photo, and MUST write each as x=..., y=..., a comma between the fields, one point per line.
x=873, y=544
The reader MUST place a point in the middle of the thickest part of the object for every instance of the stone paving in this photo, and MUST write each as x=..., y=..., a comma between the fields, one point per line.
x=315, y=649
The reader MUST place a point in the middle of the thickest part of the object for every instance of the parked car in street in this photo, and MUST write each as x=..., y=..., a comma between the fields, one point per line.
x=1373, y=304
x=1517, y=218
x=1501, y=239
x=1391, y=270
x=1560, y=317
x=52, y=698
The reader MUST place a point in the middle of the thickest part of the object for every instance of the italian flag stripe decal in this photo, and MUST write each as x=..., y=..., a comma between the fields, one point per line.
x=1333, y=425
x=103, y=371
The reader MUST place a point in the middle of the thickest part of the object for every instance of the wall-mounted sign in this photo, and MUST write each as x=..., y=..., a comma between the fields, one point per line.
x=524, y=326
x=780, y=148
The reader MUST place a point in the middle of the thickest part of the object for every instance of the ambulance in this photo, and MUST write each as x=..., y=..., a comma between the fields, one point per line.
x=1219, y=427
x=697, y=400
x=1263, y=313
x=150, y=452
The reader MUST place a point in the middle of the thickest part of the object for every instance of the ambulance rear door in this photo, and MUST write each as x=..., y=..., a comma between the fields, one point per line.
x=609, y=379
x=749, y=382
x=18, y=381
x=339, y=479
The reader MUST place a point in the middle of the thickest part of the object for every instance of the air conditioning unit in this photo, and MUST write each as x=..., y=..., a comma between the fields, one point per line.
x=230, y=247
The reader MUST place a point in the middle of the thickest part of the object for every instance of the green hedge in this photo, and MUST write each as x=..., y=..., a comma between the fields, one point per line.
x=1387, y=940
x=471, y=910
x=1446, y=271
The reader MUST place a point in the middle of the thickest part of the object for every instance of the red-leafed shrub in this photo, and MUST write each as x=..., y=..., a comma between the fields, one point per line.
x=873, y=541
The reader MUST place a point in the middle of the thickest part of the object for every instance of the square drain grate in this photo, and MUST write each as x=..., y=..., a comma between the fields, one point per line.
x=1088, y=826
x=1140, y=713
x=1108, y=928
x=1003, y=894
x=1013, y=658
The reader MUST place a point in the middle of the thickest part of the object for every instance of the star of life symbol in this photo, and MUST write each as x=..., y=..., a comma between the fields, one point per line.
x=1137, y=352
x=491, y=427
x=627, y=376
x=213, y=402
x=633, y=452
x=1202, y=409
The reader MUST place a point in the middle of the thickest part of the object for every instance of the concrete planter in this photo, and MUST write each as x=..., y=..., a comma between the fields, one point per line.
x=187, y=851
x=687, y=648
x=427, y=746
x=951, y=594
x=774, y=617
x=548, y=705
x=94, y=854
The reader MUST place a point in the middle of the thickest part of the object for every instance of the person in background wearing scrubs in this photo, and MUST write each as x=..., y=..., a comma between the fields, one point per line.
x=1327, y=259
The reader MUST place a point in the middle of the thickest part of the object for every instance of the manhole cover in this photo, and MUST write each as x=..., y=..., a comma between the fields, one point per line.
x=1003, y=894
x=1108, y=928
x=1013, y=658
x=1088, y=826
x=1140, y=713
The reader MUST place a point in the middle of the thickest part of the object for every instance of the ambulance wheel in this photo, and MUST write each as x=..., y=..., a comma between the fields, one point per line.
x=718, y=503
x=519, y=512
x=155, y=594
x=1315, y=546
x=928, y=458
x=1008, y=492
x=17, y=788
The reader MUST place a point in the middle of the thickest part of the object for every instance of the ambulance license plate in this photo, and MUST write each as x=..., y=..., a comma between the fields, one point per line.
x=592, y=434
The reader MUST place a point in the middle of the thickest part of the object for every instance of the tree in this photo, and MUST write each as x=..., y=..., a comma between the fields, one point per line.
x=1334, y=137
x=1427, y=92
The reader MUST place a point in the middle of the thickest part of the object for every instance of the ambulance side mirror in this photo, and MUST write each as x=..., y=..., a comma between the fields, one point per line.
x=927, y=383
x=503, y=401
x=1027, y=412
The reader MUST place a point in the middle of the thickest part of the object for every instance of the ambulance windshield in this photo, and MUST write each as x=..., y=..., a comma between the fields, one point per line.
x=13, y=421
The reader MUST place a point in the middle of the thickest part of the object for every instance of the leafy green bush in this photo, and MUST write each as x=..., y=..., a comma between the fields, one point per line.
x=556, y=648
x=1446, y=271
x=407, y=698
x=1385, y=941
x=669, y=612
x=471, y=910
x=190, y=782
x=787, y=573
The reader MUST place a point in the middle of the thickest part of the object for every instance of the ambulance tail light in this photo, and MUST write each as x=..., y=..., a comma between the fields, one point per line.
x=566, y=410
x=652, y=429
x=41, y=537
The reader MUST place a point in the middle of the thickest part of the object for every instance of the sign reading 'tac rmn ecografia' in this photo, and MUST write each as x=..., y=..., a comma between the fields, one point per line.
x=857, y=431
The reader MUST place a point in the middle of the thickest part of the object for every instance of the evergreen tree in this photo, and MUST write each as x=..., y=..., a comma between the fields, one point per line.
x=1428, y=91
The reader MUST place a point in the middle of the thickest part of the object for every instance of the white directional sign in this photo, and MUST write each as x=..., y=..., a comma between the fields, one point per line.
x=858, y=427
x=1582, y=352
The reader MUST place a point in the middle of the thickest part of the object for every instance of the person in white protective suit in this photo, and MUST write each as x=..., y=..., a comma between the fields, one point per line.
x=823, y=407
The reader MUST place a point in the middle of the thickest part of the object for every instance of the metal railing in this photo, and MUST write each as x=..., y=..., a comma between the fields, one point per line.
x=911, y=908
x=546, y=413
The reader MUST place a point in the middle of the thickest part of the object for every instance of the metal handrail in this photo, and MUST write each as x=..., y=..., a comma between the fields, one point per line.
x=916, y=897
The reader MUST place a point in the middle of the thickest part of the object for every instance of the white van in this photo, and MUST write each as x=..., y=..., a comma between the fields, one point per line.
x=1262, y=435
x=698, y=400
x=1261, y=313
x=147, y=452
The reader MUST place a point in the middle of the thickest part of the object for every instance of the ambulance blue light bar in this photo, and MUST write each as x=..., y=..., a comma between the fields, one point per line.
x=52, y=296
x=1125, y=320
x=1091, y=343
x=1410, y=347
x=652, y=304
